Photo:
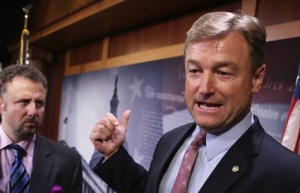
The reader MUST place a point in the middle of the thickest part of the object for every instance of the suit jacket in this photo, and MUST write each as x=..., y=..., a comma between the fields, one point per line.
x=264, y=166
x=55, y=164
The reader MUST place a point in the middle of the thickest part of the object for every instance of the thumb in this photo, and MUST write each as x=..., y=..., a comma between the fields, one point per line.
x=125, y=119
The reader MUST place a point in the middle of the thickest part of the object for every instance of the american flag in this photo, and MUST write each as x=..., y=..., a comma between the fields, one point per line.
x=291, y=132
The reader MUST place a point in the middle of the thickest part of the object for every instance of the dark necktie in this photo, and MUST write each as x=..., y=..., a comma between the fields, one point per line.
x=185, y=171
x=19, y=179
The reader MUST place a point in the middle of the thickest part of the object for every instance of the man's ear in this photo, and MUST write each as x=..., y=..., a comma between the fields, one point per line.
x=258, y=78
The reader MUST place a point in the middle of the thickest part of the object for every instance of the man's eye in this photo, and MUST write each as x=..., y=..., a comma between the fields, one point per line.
x=223, y=73
x=39, y=104
x=194, y=71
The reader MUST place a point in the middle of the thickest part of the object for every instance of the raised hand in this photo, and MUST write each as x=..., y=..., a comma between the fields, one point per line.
x=109, y=134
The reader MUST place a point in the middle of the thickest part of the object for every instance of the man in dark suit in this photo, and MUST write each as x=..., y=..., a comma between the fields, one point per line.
x=224, y=56
x=48, y=164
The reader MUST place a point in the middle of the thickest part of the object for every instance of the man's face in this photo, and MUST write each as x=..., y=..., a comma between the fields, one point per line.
x=219, y=84
x=22, y=108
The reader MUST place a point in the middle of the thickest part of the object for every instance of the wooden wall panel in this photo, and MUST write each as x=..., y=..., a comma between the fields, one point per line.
x=86, y=53
x=249, y=7
x=159, y=35
x=158, y=41
x=281, y=18
x=283, y=31
x=55, y=74
x=50, y=11
x=273, y=12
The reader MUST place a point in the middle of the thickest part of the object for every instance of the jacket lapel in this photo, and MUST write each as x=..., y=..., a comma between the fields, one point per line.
x=227, y=172
x=41, y=166
x=236, y=162
x=174, y=143
x=165, y=151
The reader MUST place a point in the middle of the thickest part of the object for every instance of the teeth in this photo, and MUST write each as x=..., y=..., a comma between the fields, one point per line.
x=203, y=106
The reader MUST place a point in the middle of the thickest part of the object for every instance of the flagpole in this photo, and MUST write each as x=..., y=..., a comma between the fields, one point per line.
x=24, y=58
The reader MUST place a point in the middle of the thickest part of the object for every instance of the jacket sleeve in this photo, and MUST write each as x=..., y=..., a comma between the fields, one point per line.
x=122, y=173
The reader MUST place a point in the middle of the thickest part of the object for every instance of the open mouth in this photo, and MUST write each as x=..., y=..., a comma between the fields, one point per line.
x=209, y=106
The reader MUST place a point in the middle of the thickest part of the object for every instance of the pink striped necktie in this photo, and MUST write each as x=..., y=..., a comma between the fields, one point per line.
x=185, y=171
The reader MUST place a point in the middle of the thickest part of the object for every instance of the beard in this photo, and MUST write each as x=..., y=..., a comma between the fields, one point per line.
x=28, y=128
x=25, y=133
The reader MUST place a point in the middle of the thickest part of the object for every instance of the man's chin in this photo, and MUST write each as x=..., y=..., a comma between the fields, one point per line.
x=29, y=130
x=210, y=127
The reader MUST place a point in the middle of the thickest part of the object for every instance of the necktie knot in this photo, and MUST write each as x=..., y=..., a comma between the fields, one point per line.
x=199, y=140
x=17, y=151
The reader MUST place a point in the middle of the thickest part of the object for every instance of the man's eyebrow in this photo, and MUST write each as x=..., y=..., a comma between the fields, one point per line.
x=226, y=63
x=192, y=61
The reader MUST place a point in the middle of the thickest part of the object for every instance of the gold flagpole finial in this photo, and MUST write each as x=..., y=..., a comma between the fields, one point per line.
x=26, y=11
x=24, y=57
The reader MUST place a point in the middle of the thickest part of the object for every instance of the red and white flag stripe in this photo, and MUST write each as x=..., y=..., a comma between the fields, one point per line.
x=291, y=132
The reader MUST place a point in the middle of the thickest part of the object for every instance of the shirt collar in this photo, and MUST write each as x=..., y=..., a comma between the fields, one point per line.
x=27, y=144
x=216, y=144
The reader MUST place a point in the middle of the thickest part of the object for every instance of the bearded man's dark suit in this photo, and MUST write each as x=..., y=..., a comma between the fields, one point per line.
x=55, y=164
x=264, y=166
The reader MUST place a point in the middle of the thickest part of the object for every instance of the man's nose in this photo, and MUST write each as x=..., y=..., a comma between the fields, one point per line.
x=207, y=83
x=31, y=109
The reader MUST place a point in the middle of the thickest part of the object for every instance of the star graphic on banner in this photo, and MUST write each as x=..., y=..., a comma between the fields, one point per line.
x=136, y=88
